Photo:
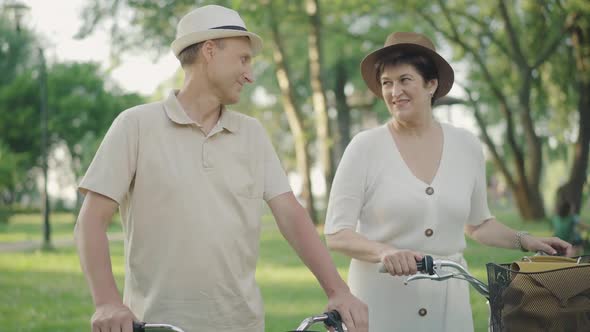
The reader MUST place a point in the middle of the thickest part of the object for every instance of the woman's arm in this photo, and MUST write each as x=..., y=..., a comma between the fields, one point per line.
x=495, y=234
x=355, y=245
x=352, y=244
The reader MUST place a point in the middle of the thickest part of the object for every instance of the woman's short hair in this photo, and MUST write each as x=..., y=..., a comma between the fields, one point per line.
x=422, y=63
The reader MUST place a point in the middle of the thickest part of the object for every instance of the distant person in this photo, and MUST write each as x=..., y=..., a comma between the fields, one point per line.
x=189, y=177
x=566, y=225
x=414, y=187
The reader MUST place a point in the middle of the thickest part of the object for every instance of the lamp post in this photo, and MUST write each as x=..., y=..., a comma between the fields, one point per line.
x=19, y=9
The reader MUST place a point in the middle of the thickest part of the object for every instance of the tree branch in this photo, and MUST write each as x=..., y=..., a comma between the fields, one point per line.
x=518, y=55
x=504, y=108
x=549, y=50
x=501, y=163
x=485, y=28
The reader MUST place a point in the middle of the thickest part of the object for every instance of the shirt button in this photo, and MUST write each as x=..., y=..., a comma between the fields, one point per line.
x=428, y=232
x=422, y=312
x=429, y=191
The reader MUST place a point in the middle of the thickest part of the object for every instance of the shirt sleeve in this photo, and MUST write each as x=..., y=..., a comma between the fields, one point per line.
x=275, y=178
x=113, y=168
x=575, y=219
x=348, y=190
x=479, y=211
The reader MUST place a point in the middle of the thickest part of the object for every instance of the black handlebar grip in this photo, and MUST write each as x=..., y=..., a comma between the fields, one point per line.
x=426, y=265
x=138, y=327
x=334, y=320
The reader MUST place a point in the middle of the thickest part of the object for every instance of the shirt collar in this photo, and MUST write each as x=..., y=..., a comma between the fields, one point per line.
x=228, y=119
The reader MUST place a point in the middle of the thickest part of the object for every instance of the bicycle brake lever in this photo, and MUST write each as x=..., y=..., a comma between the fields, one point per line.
x=438, y=276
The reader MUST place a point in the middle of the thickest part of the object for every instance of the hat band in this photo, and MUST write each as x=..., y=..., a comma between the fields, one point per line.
x=230, y=27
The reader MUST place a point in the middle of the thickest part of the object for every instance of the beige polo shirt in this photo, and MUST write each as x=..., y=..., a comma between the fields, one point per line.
x=190, y=206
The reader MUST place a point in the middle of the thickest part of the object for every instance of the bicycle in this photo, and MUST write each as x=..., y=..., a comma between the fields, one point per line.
x=330, y=319
x=500, y=277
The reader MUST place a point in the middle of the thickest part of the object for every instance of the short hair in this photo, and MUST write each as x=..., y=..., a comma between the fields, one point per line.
x=422, y=63
x=190, y=54
x=564, y=208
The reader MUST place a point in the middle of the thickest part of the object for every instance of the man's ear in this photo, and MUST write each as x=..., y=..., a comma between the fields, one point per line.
x=208, y=50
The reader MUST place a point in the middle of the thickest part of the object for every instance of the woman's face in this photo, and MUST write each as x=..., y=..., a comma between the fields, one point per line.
x=405, y=92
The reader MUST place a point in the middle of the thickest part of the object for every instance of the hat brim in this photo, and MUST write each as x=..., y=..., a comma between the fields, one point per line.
x=196, y=37
x=446, y=75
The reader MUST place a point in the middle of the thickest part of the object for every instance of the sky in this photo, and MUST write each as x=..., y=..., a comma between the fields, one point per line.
x=57, y=21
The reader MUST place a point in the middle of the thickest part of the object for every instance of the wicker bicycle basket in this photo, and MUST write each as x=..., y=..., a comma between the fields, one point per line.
x=556, y=300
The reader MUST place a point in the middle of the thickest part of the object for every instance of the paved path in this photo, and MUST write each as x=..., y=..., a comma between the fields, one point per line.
x=57, y=243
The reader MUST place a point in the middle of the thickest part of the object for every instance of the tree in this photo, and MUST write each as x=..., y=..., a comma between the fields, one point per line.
x=16, y=47
x=578, y=22
x=508, y=46
x=293, y=112
x=81, y=110
x=320, y=105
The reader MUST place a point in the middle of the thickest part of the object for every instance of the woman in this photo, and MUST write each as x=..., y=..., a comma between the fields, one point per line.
x=412, y=187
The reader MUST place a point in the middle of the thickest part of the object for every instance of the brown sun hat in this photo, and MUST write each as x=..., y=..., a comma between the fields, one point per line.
x=408, y=42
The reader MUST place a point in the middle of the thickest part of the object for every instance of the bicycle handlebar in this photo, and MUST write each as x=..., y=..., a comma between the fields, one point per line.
x=425, y=265
x=146, y=327
x=330, y=319
x=432, y=269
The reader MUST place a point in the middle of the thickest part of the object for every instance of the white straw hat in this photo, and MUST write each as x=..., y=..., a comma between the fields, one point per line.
x=211, y=22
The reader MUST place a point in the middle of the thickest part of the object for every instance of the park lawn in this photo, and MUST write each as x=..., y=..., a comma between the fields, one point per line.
x=29, y=227
x=46, y=291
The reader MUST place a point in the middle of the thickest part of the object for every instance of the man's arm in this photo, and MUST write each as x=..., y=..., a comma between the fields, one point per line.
x=296, y=226
x=93, y=248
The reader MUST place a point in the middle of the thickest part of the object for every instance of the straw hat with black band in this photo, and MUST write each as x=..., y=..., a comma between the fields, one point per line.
x=212, y=22
x=411, y=42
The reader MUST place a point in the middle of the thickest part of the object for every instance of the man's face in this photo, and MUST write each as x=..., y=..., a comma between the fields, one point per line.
x=230, y=68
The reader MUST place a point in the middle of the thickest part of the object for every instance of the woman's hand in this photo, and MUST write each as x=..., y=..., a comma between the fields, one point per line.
x=549, y=245
x=400, y=262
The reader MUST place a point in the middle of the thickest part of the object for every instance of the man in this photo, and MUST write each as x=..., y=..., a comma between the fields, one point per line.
x=188, y=176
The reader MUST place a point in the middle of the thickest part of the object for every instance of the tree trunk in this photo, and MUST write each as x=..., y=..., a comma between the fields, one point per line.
x=343, y=110
x=294, y=118
x=324, y=142
x=572, y=190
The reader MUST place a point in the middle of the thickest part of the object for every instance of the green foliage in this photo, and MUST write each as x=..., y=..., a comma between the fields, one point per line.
x=16, y=48
x=11, y=174
x=82, y=104
x=82, y=107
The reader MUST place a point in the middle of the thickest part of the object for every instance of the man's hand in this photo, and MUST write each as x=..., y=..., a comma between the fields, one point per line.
x=354, y=313
x=112, y=317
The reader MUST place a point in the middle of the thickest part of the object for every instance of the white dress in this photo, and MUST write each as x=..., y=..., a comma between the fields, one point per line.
x=376, y=194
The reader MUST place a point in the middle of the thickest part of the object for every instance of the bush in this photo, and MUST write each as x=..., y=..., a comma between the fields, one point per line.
x=5, y=214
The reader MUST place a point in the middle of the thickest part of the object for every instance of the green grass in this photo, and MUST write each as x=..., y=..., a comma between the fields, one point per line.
x=46, y=291
x=29, y=227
